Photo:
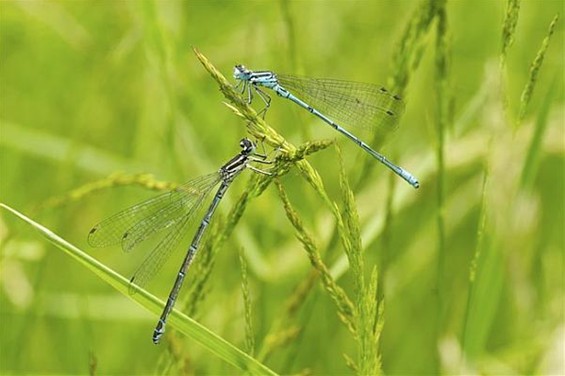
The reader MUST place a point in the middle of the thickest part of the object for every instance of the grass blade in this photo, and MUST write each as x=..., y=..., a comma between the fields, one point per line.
x=486, y=281
x=535, y=149
x=217, y=345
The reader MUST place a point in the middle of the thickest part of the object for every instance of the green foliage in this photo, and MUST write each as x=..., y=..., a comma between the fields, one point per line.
x=104, y=103
x=342, y=302
x=367, y=323
x=216, y=344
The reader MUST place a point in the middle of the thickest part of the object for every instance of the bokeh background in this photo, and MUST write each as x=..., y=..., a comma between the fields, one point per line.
x=470, y=265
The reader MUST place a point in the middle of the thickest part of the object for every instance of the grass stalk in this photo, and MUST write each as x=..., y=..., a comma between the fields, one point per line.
x=338, y=295
x=509, y=29
x=535, y=149
x=289, y=27
x=405, y=61
x=366, y=301
x=119, y=179
x=246, y=295
x=486, y=278
x=443, y=100
x=534, y=71
x=508, y=32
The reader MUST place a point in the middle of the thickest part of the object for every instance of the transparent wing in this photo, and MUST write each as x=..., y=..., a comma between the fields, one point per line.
x=156, y=259
x=132, y=225
x=352, y=103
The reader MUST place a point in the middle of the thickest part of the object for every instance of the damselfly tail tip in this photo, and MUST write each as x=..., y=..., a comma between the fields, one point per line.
x=158, y=332
x=413, y=181
x=410, y=179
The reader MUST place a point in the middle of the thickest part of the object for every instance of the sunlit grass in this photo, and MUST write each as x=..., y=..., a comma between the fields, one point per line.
x=331, y=266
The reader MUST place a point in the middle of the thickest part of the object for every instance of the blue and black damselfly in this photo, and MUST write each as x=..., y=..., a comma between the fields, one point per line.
x=171, y=212
x=353, y=103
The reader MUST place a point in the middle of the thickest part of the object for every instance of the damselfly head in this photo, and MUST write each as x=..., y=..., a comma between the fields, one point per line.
x=247, y=146
x=241, y=73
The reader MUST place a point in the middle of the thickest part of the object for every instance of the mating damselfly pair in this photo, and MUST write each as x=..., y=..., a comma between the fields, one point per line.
x=171, y=213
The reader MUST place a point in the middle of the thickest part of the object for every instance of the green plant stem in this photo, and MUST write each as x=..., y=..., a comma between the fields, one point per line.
x=214, y=343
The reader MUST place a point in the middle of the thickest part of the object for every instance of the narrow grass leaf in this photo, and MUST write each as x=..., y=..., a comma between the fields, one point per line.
x=486, y=277
x=532, y=158
x=215, y=344
x=50, y=147
x=289, y=27
x=443, y=122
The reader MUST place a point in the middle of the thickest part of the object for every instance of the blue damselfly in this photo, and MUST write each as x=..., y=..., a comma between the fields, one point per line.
x=353, y=103
x=171, y=212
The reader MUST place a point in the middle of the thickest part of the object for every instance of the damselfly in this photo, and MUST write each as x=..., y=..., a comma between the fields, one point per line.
x=171, y=212
x=353, y=103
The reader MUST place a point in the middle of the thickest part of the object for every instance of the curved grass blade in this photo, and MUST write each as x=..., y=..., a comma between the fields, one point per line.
x=214, y=343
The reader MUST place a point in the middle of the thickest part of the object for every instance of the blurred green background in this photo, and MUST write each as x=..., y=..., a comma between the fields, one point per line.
x=471, y=274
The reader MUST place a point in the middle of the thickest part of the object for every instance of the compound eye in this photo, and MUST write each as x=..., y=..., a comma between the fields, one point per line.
x=244, y=143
